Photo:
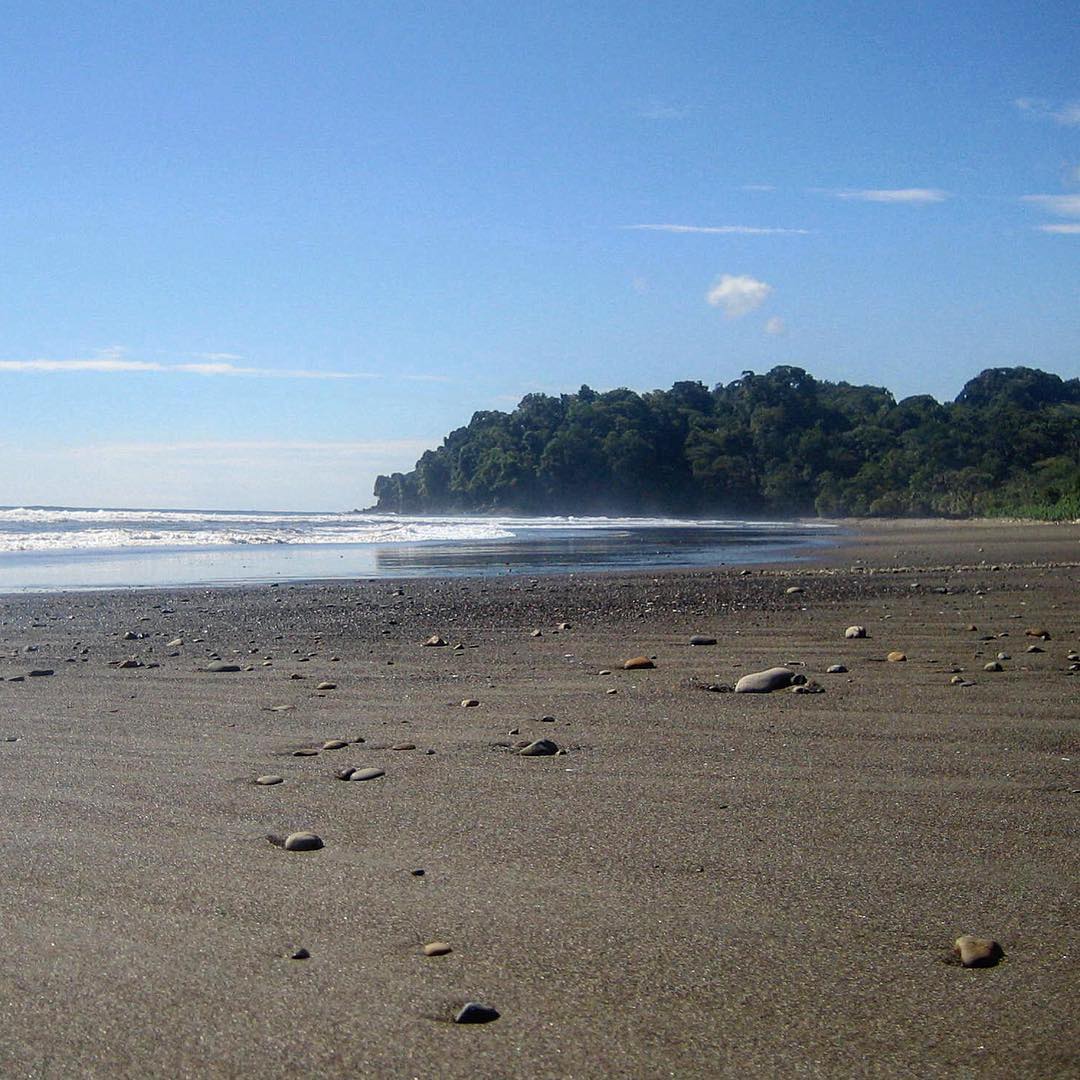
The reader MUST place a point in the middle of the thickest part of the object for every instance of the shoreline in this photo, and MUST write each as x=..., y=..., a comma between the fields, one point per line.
x=705, y=884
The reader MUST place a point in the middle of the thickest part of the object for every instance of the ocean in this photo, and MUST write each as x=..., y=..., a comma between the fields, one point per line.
x=48, y=548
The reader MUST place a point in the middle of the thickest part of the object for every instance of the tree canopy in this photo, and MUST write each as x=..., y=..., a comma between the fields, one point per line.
x=779, y=443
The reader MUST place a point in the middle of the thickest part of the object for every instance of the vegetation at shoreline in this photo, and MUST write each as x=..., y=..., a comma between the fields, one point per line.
x=779, y=443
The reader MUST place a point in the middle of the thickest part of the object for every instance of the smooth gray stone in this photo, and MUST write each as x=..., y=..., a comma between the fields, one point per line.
x=269, y=780
x=475, y=1012
x=366, y=774
x=539, y=748
x=764, y=682
x=303, y=841
x=702, y=639
x=221, y=666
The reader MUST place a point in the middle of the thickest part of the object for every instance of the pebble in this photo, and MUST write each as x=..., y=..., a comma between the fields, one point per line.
x=269, y=780
x=1037, y=631
x=475, y=1012
x=303, y=841
x=977, y=952
x=220, y=666
x=306, y=752
x=129, y=664
x=537, y=633
x=403, y=746
x=613, y=690
x=437, y=948
x=299, y=954
x=791, y=590
x=855, y=632
x=1034, y=649
x=326, y=686
x=1003, y=656
x=993, y=666
x=764, y=682
x=539, y=748
x=435, y=640
x=470, y=703
x=808, y=688
x=604, y=671
x=637, y=662
x=836, y=669
x=896, y=657
x=38, y=673
x=335, y=744
x=702, y=639
x=175, y=643
x=366, y=774
x=564, y=626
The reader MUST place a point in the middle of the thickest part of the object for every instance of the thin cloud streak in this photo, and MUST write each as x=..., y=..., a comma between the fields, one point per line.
x=910, y=196
x=115, y=365
x=1064, y=229
x=1062, y=205
x=722, y=230
x=218, y=449
x=1067, y=113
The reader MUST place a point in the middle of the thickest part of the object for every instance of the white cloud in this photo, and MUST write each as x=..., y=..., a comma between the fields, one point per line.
x=1062, y=205
x=1063, y=229
x=912, y=196
x=738, y=294
x=775, y=326
x=221, y=449
x=114, y=364
x=722, y=230
x=661, y=110
x=1067, y=113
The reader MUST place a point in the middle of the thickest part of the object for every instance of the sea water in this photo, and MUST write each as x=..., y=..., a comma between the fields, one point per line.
x=53, y=548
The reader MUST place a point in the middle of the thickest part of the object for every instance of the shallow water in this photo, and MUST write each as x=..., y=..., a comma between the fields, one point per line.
x=58, y=548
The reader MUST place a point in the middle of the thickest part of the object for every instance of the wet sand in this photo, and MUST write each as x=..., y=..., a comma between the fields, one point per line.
x=705, y=884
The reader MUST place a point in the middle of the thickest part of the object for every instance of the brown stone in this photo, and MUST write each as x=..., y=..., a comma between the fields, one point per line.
x=896, y=657
x=977, y=952
x=638, y=662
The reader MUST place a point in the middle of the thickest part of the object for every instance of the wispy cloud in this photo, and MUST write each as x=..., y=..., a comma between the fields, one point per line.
x=661, y=110
x=775, y=326
x=738, y=294
x=722, y=230
x=1061, y=205
x=1067, y=112
x=1061, y=229
x=758, y=187
x=910, y=196
x=224, y=449
x=112, y=364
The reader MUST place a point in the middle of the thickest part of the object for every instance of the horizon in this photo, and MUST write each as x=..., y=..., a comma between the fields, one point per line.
x=259, y=259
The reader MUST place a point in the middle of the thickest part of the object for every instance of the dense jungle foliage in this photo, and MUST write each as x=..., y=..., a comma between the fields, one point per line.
x=780, y=443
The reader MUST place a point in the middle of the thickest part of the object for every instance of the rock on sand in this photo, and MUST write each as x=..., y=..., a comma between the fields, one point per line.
x=977, y=952
x=764, y=682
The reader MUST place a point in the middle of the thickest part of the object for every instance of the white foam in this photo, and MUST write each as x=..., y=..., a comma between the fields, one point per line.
x=30, y=529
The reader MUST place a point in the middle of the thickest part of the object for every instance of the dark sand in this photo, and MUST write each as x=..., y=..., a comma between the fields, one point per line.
x=705, y=885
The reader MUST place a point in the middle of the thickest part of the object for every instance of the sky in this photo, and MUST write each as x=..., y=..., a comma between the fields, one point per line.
x=253, y=254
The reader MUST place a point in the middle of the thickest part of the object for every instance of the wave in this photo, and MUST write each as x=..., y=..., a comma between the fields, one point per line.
x=57, y=529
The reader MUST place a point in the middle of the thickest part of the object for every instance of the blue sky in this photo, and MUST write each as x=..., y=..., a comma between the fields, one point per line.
x=254, y=254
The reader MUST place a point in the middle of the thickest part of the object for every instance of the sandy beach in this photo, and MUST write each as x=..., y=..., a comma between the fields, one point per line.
x=705, y=884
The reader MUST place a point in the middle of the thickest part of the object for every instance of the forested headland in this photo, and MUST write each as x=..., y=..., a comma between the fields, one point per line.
x=781, y=443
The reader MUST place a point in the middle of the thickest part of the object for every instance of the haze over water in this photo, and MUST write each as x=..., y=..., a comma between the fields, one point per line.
x=56, y=548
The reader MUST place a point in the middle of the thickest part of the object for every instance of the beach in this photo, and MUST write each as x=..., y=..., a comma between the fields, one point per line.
x=705, y=884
